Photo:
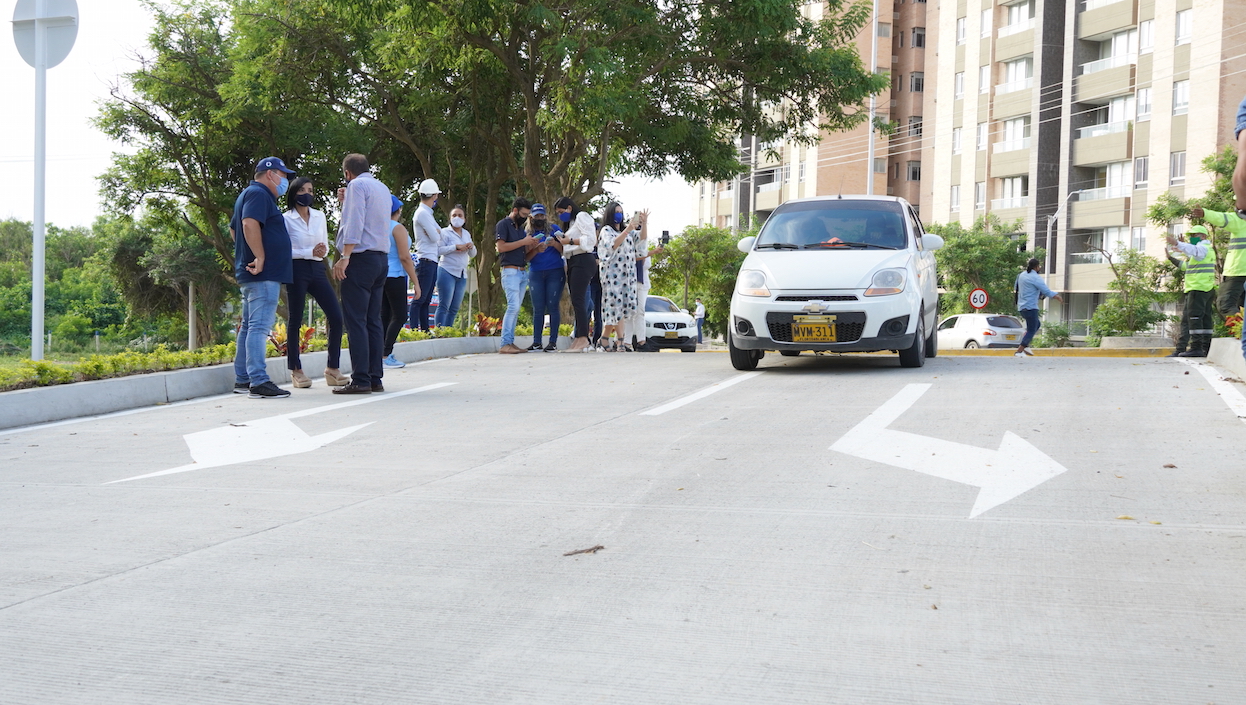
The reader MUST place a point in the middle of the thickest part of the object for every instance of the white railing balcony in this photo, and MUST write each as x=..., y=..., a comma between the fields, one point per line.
x=1014, y=86
x=772, y=186
x=1086, y=258
x=1010, y=29
x=1012, y=145
x=1099, y=194
x=1109, y=63
x=1107, y=128
x=1014, y=202
x=1094, y=4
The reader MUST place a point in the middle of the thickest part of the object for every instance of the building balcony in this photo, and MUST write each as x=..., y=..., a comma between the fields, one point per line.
x=1089, y=277
x=1010, y=29
x=1111, y=62
x=1013, y=86
x=1105, y=193
x=1096, y=4
x=1102, y=17
x=1099, y=85
x=770, y=199
x=1014, y=103
x=1011, y=145
x=1010, y=162
x=1101, y=208
x=1010, y=203
x=1096, y=147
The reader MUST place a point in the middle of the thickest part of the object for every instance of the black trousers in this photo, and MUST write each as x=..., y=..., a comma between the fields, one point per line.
x=580, y=271
x=1231, y=295
x=1198, y=324
x=362, y=291
x=594, y=286
x=310, y=278
x=393, y=310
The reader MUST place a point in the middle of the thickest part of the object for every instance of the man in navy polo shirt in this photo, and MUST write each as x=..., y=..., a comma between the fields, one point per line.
x=262, y=263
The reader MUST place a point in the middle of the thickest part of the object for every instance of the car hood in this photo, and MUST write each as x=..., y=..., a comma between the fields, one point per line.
x=659, y=317
x=821, y=269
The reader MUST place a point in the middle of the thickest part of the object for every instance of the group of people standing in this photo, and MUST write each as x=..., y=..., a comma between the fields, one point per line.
x=373, y=269
x=605, y=269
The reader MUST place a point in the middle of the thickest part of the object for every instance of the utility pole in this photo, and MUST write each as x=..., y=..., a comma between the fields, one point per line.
x=192, y=320
x=869, y=159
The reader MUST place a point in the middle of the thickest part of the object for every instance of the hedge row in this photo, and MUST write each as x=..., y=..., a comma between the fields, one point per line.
x=29, y=373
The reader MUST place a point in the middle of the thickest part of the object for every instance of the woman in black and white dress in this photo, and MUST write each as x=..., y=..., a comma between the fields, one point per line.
x=616, y=252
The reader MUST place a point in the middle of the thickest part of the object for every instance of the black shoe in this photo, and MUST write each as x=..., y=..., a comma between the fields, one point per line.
x=242, y=387
x=354, y=388
x=552, y=347
x=1193, y=353
x=378, y=388
x=268, y=390
x=536, y=347
x=1176, y=353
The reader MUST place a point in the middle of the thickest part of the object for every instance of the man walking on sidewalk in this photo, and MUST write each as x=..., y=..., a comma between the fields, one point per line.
x=1197, y=326
x=364, y=241
x=263, y=261
x=700, y=316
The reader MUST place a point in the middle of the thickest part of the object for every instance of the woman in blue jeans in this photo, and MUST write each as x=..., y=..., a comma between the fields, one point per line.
x=452, y=272
x=546, y=279
x=1029, y=285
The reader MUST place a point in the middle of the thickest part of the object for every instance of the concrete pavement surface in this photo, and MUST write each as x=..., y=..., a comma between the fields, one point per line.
x=410, y=547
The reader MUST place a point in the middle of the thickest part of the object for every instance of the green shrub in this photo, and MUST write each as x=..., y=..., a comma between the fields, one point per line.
x=29, y=373
x=1053, y=335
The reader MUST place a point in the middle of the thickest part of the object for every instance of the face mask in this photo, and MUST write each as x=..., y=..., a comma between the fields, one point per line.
x=538, y=224
x=456, y=222
x=618, y=217
x=1195, y=239
x=303, y=199
x=283, y=186
x=520, y=220
x=565, y=216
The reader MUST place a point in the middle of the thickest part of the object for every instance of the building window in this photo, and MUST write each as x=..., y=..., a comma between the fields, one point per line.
x=1176, y=169
x=1142, y=171
x=1137, y=239
x=960, y=31
x=986, y=23
x=880, y=165
x=801, y=172
x=954, y=198
x=1018, y=75
x=1146, y=36
x=915, y=171
x=1016, y=135
x=915, y=126
x=981, y=136
x=1144, y=104
x=984, y=79
x=702, y=191
x=919, y=38
x=1180, y=97
x=884, y=30
x=1185, y=20
x=958, y=85
x=979, y=196
x=956, y=140
x=917, y=81
x=895, y=171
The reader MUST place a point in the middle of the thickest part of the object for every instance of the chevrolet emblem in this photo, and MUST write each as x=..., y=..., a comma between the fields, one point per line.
x=815, y=307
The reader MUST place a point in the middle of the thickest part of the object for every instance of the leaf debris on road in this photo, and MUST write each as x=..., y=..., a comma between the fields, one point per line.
x=594, y=549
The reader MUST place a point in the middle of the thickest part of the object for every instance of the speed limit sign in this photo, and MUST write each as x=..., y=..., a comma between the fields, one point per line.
x=978, y=299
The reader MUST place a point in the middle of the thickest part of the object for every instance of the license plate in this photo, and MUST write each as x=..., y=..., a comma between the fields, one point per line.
x=1010, y=337
x=813, y=329
x=672, y=334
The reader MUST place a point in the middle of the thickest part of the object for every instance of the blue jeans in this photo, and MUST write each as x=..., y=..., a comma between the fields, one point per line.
x=547, y=286
x=1241, y=118
x=1031, y=324
x=259, y=310
x=700, y=326
x=449, y=296
x=514, y=283
x=426, y=275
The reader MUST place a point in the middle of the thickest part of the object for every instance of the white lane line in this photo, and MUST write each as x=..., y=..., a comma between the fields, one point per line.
x=271, y=437
x=1229, y=393
x=717, y=387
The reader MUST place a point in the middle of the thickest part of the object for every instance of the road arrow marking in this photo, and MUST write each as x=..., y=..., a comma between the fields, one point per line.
x=271, y=437
x=1000, y=474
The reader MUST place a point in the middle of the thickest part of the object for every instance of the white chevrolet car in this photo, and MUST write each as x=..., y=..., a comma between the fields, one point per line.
x=837, y=274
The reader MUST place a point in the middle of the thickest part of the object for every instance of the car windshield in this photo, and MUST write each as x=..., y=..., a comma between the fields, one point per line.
x=657, y=304
x=834, y=225
x=1003, y=322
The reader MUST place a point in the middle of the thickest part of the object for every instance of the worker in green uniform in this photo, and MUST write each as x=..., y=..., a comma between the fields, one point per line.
x=1231, y=286
x=1199, y=265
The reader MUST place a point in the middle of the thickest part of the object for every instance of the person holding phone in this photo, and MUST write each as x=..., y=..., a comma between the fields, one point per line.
x=579, y=241
x=618, y=274
x=546, y=279
x=309, y=243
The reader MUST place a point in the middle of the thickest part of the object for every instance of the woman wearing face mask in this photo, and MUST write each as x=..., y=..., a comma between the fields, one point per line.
x=618, y=273
x=401, y=270
x=579, y=241
x=452, y=274
x=546, y=279
x=309, y=242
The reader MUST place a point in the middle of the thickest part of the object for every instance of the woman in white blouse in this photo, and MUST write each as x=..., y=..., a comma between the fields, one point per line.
x=579, y=242
x=452, y=270
x=309, y=242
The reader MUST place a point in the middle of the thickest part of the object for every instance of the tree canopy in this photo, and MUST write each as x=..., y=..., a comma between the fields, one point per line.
x=986, y=255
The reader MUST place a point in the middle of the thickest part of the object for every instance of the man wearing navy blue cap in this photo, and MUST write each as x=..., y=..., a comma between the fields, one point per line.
x=262, y=263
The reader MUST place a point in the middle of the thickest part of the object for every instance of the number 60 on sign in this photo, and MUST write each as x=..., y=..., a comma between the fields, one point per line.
x=978, y=299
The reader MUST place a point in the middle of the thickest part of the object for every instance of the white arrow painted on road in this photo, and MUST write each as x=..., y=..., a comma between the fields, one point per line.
x=1000, y=474
x=266, y=438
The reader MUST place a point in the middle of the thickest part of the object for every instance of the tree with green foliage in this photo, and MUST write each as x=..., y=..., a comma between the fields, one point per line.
x=988, y=255
x=1136, y=290
x=702, y=261
x=1167, y=208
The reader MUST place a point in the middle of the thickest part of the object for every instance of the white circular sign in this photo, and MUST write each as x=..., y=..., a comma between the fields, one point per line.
x=59, y=18
x=978, y=298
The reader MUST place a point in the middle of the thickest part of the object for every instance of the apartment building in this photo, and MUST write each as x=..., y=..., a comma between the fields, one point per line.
x=1075, y=117
x=841, y=162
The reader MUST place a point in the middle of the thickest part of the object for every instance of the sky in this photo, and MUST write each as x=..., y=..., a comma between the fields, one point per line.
x=110, y=34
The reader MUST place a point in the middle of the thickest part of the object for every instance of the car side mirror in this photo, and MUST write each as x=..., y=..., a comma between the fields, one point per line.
x=931, y=242
x=745, y=245
x=684, y=311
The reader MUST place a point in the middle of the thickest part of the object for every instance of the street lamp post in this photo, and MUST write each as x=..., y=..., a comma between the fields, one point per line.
x=1051, y=222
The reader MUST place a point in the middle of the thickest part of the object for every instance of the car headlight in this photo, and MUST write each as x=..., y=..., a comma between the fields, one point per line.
x=752, y=282
x=886, y=282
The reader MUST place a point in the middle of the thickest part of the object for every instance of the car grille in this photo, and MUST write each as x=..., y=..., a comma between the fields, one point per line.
x=670, y=326
x=849, y=325
x=815, y=297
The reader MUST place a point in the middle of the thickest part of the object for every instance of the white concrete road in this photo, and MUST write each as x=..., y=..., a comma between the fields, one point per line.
x=415, y=554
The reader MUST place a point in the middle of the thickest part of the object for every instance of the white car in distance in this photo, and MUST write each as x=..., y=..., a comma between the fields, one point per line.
x=981, y=330
x=669, y=326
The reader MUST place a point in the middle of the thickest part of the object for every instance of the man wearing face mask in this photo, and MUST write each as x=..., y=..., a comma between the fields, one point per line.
x=514, y=244
x=262, y=263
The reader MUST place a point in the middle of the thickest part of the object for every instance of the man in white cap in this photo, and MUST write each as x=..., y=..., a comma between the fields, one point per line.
x=428, y=250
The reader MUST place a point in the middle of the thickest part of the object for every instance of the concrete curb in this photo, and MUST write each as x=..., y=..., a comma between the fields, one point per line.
x=25, y=407
x=1065, y=352
x=1226, y=353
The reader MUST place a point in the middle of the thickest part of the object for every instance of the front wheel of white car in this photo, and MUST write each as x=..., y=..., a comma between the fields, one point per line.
x=932, y=344
x=915, y=355
x=743, y=360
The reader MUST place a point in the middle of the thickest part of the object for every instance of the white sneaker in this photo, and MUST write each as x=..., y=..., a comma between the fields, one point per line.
x=1027, y=351
x=1018, y=354
x=392, y=361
